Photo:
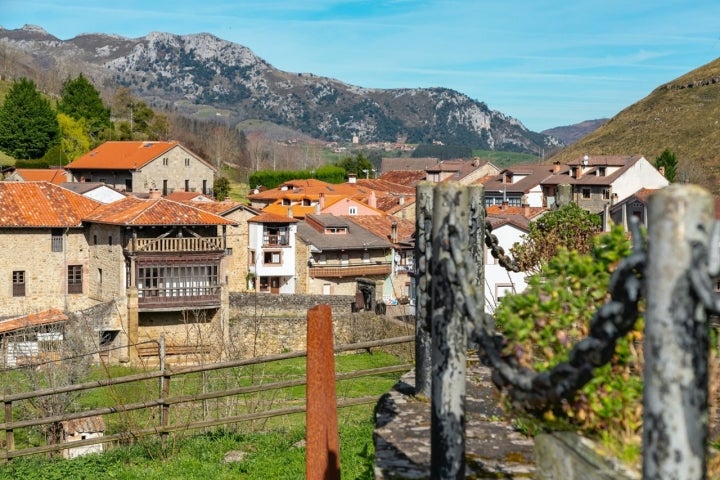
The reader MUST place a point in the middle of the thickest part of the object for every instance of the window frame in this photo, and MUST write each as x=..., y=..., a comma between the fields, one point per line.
x=18, y=283
x=74, y=279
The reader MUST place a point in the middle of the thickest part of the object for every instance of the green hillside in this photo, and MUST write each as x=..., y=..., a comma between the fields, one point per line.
x=682, y=115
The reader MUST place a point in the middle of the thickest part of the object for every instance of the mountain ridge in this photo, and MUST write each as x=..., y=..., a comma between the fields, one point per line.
x=202, y=74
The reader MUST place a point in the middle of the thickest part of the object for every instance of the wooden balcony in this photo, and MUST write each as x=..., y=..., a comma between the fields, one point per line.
x=352, y=270
x=178, y=298
x=172, y=245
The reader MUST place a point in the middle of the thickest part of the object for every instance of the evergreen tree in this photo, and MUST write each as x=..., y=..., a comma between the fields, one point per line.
x=79, y=99
x=28, y=124
x=668, y=161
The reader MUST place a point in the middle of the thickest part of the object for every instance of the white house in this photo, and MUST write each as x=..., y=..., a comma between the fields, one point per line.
x=271, y=253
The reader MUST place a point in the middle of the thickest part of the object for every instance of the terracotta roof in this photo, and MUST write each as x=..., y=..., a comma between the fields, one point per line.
x=220, y=208
x=308, y=188
x=182, y=196
x=383, y=185
x=500, y=211
x=52, y=175
x=124, y=155
x=42, y=204
x=381, y=225
x=404, y=177
x=271, y=218
x=148, y=212
x=46, y=317
x=406, y=163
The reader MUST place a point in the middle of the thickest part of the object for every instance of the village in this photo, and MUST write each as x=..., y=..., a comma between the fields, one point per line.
x=130, y=235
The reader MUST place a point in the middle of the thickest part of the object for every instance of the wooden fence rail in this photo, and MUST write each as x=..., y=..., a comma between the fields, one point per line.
x=165, y=401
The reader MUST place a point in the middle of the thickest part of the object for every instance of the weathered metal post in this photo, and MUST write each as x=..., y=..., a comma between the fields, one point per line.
x=423, y=252
x=449, y=335
x=322, y=451
x=675, y=400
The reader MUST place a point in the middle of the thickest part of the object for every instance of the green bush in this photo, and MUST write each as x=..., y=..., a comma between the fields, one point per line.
x=544, y=322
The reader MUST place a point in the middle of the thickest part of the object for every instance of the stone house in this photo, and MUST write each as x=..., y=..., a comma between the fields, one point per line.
x=140, y=166
x=82, y=429
x=598, y=181
x=52, y=175
x=164, y=263
x=160, y=263
x=517, y=185
x=336, y=253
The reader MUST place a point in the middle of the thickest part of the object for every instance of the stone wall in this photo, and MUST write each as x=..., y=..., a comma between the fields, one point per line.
x=264, y=305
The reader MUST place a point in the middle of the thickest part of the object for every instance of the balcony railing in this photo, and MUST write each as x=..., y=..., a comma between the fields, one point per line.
x=276, y=240
x=180, y=297
x=185, y=244
x=352, y=270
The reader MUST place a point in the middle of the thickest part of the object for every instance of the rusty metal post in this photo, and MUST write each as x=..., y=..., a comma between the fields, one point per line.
x=423, y=252
x=675, y=399
x=450, y=235
x=322, y=453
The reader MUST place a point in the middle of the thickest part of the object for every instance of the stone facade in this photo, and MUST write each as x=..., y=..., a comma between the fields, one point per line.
x=177, y=169
x=237, y=241
x=45, y=271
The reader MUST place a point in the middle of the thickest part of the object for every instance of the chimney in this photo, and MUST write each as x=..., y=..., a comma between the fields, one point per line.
x=321, y=202
x=556, y=167
x=401, y=201
x=393, y=232
x=154, y=193
x=352, y=178
x=504, y=205
x=661, y=170
x=372, y=199
x=290, y=214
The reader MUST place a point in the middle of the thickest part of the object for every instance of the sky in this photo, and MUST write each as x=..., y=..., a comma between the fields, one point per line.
x=545, y=63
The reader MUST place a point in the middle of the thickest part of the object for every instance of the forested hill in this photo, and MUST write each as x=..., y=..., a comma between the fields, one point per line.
x=204, y=76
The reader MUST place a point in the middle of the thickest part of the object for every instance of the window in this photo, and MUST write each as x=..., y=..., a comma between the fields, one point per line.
x=204, y=190
x=102, y=180
x=165, y=161
x=306, y=202
x=352, y=211
x=165, y=188
x=502, y=289
x=585, y=193
x=94, y=239
x=57, y=239
x=366, y=257
x=252, y=257
x=272, y=258
x=128, y=185
x=344, y=259
x=187, y=185
x=322, y=259
x=187, y=162
x=606, y=194
x=602, y=171
x=286, y=201
x=18, y=280
x=74, y=279
x=110, y=241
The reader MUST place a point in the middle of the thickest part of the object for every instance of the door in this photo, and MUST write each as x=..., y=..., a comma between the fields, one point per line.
x=274, y=285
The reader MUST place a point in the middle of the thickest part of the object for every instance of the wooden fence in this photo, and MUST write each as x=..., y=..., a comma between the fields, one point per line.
x=164, y=401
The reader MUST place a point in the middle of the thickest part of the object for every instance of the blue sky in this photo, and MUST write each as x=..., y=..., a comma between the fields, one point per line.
x=546, y=63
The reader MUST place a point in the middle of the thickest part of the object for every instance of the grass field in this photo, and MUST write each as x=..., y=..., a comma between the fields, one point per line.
x=273, y=447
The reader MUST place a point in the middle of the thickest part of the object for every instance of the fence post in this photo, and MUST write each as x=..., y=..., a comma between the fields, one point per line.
x=322, y=451
x=9, y=435
x=675, y=400
x=164, y=393
x=423, y=252
x=449, y=335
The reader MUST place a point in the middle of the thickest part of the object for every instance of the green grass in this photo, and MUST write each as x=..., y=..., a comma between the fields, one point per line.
x=270, y=443
x=505, y=159
x=275, y=455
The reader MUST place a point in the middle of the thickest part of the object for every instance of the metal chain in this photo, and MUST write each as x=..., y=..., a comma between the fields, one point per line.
x=613, y=320
x=491, y=241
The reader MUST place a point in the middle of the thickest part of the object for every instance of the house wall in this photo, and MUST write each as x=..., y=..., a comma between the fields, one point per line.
x=106, y=279
x=641, y=175
x=29, y=250
x=497, y=279
x=286, y=267
x=175, y=172
x=237, y=239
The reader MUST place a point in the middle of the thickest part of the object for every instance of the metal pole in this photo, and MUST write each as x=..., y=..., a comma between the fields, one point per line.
x=675, y=400
x=449, y=335
x=423, y=252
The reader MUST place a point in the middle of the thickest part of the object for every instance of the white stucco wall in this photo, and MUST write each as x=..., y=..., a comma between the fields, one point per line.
x=497, y=279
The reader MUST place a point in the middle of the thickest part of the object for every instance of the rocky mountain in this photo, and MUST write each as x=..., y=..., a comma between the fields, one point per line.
x=204, y=76
x=570, y=134
x=682, y=115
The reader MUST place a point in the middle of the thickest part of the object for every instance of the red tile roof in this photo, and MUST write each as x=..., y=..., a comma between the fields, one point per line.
x=219, y=208
x=147, y=212
x=182, y=196
x=46, y=317
x=123, y=155
x=42, y=204
x=266, y=217
x=381, y=225
x=52, y=175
